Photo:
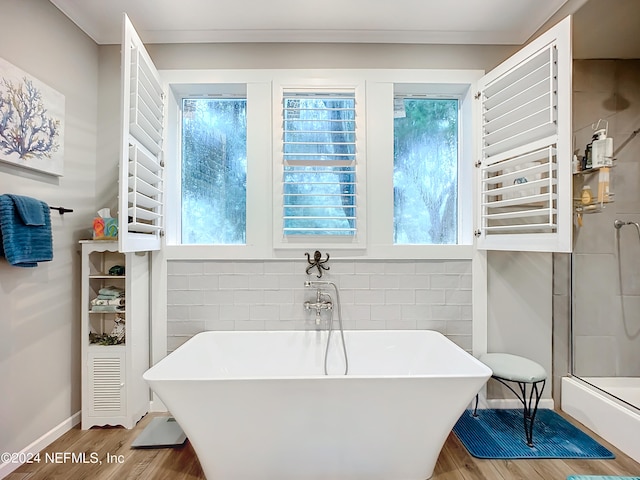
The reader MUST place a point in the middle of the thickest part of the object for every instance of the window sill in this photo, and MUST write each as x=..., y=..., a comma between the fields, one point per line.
x=374, y=252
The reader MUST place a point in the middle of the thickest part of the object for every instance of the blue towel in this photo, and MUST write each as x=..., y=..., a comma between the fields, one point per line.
x=25, y=231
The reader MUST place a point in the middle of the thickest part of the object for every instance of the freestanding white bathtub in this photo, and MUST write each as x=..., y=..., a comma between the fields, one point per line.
x=257, y=405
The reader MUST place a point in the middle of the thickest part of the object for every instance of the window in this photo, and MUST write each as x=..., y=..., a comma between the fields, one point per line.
x=425, y=170
x=214, y=171
x=319, y=163
x=291, y=161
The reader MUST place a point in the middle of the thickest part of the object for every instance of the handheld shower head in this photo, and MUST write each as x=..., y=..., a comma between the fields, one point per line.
x=317, y=283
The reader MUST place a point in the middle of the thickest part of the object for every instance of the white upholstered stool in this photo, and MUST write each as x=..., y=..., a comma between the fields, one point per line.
x=524, y=372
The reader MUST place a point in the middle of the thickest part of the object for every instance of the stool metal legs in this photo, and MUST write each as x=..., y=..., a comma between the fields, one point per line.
x=529, y=404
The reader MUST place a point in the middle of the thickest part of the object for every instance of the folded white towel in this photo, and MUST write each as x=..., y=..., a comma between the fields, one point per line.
x=106, y=308
x=111, y=291
x=108, y=301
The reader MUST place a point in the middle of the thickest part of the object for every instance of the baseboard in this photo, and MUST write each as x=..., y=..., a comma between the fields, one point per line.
x=507, y=402
x=41, y=443
x=515, y=403
x=156, y=405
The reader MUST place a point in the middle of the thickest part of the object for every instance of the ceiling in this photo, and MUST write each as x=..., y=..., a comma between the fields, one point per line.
x=602, y=28
x=364, y=21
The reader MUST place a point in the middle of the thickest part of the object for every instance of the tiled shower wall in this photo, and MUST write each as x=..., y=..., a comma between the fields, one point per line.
x=606, y=261
x=269, y=295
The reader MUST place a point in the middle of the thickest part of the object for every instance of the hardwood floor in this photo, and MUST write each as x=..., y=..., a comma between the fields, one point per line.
x=113, y=443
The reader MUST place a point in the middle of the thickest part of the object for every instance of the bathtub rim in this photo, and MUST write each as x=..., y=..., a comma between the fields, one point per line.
x=480, y=369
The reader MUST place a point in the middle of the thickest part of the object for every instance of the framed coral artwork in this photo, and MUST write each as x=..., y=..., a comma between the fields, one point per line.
x=31, y=122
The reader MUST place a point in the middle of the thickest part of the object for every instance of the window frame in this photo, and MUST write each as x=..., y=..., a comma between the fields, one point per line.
x=358, y=241
x=375, y=94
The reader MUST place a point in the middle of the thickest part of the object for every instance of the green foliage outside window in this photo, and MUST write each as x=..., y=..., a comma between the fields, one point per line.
x=214, y=171
x=426, y=172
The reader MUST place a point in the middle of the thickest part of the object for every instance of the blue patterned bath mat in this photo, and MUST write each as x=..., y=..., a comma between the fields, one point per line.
x=499, y=433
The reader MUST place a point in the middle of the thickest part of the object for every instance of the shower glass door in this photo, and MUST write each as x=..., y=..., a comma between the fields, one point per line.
x=605, y=323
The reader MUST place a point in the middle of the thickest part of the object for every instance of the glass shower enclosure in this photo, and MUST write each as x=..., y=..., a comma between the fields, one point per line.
x=605, y=263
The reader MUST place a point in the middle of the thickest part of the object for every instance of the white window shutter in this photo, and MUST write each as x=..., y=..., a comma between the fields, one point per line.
x=524, y=179
x=319, y=186
x=141, y=189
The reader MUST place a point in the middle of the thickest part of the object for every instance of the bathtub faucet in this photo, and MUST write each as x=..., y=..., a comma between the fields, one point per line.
x=323, y=301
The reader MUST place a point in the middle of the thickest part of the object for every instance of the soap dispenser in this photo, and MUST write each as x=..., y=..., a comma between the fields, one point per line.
x=602, y=149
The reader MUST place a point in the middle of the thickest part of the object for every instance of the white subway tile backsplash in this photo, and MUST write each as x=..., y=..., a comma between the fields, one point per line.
x=400, y=267
x=174, y=341
x=219, y=267
x=384, y=281
x=263, y=312
x=219, y=325
x=248, y=267
x=457, y=297
x=204, y=312
x=429, y=324
x=446, y=312
x=217, y=297
x=466, y=281
x=185, y=268
x=355, y=312
x=375, y=294
x=430, y=297
x=355, y=281
x=385, y=312
x=368, y=297
x=204, y=282
x=415, y=281
x=400, y=324
x=457, y=267
x=278, y=297
x=185, y=297
x=189, y=327
x=291, y=312
x=178, y=282
x=434, y=266
x=237, y=313
x=249, y=325
x=234, y=282
x=337, y=267
x=279, y=267
x=372, y=267
x=365, y=324
x=401, y=297
x=445, y=281
x=416, y=312
x=247, y=297
x=457, y=327
x=463, y=341
x=294, y=280
x=178, y=312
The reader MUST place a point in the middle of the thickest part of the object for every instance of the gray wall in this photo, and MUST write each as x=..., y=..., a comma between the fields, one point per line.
x=606, y=272
x=39, y=328
x=520, y=310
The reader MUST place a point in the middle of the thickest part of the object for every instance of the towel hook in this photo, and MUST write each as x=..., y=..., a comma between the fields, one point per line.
x=62, y=210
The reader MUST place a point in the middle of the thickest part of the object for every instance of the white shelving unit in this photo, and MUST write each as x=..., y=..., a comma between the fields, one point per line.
x=113, y=390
